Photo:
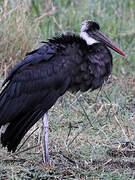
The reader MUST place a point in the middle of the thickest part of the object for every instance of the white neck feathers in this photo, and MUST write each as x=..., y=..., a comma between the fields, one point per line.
x=84, y=35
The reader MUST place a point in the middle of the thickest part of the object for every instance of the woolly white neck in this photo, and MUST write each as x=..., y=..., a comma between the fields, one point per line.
x=84, y=35
x=87, y=38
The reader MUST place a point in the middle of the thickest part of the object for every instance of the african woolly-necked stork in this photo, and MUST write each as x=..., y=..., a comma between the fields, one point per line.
x=65, y=63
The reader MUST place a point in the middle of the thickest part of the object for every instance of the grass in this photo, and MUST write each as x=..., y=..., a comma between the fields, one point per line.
x=88, y=133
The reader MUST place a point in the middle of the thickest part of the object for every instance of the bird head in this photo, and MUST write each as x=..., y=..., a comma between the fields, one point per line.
x=90, y=32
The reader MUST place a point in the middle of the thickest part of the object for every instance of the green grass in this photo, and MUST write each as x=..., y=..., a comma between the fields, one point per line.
x=87, y=132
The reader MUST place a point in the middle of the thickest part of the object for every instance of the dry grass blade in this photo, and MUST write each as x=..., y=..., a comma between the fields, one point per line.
x=5, y=8
x=48, y=13
x=28, y=138
x=119, y=124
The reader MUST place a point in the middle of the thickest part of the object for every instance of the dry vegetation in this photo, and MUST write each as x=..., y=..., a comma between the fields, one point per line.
x=91, y=135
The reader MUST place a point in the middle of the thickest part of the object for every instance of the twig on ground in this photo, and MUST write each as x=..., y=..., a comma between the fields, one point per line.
x=27, y=138
x=31, y=147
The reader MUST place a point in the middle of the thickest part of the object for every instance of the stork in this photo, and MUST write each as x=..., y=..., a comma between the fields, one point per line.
x=64, y=63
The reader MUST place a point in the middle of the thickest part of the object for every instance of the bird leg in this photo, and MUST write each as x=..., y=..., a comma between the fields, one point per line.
x=46, y=152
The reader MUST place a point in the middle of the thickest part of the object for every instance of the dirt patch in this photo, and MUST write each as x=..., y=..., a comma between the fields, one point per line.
x=126, y=150
x=121, y=153
x=111, y=164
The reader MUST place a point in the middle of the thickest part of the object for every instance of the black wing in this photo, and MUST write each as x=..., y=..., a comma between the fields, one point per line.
x=33, y=87
x=44, y=53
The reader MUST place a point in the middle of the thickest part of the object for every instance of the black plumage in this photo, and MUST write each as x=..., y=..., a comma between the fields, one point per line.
x=33, y=86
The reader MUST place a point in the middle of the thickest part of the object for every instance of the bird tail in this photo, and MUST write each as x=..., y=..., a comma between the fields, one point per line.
x=12, y=133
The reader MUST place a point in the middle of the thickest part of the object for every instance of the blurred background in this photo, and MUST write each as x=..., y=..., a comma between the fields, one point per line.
x=88, y=132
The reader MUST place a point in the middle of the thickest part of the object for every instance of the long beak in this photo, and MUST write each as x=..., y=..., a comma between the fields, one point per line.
x=102, y=38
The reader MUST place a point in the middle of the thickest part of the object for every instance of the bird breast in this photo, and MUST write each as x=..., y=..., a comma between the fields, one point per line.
x=91, y=73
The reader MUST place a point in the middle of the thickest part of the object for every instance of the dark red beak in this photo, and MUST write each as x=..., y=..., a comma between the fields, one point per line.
x=102, y=38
